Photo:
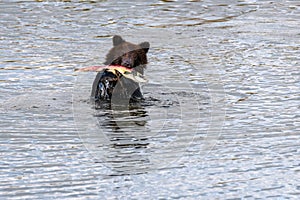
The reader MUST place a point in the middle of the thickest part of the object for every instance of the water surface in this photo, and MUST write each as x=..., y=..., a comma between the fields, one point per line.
x=220, y=119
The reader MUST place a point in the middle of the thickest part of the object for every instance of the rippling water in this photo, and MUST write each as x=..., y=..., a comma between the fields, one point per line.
x=220, y=119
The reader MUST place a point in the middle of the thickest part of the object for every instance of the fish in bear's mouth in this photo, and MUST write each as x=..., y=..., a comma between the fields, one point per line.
x=127, y=72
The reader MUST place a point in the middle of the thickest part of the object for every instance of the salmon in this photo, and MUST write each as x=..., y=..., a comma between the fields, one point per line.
x=100, y=68
x=125, y=71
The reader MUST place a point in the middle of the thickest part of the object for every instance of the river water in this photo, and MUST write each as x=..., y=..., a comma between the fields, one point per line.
x=220, y=120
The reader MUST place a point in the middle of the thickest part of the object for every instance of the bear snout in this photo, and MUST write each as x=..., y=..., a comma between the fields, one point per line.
x=127, y=61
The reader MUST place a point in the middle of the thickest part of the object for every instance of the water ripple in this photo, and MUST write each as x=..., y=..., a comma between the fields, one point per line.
x=54, y=144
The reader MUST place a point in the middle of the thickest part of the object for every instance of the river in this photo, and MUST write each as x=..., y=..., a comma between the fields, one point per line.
x=220, y=120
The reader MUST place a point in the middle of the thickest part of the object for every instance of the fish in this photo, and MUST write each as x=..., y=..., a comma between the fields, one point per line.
x=100, y=68
x=129, y=73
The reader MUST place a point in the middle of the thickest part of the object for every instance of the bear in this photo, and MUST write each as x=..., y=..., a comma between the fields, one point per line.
x=131, y=56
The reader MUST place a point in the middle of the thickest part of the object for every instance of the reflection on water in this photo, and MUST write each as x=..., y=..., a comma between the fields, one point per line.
x=126, y=131
x=207, y=57
x=123, y=116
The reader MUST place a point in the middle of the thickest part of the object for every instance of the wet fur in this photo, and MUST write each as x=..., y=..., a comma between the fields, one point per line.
x=128, y=55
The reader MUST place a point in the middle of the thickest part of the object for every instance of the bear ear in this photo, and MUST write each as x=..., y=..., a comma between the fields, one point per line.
x=117, y=40
x=145, y=46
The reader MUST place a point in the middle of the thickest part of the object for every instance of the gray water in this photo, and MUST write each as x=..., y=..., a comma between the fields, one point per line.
x=221, y=113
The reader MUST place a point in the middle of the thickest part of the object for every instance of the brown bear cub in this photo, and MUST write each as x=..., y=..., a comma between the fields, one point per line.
x=108, y=85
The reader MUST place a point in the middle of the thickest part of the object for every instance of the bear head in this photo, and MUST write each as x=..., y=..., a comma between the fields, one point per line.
x=127, y=54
